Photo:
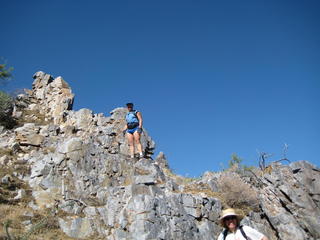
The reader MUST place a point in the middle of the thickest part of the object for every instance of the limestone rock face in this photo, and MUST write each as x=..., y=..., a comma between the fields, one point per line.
x=53, y=96
x=80, y=167
x=290, y=200
x=28, y=134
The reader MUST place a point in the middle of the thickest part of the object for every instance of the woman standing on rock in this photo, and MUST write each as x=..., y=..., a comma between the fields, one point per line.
x=230, y=220
x=133, y=129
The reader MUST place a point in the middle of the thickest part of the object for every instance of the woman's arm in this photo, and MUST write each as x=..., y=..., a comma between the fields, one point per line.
x=264, y=238
x=140, y=119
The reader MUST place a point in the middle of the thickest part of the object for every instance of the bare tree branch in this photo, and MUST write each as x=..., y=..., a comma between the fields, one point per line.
x=263, y=156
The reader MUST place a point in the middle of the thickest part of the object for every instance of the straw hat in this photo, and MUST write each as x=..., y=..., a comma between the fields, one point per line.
x=229, y=212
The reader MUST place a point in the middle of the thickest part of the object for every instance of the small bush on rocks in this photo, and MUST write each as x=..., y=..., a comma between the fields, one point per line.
x=236, y=193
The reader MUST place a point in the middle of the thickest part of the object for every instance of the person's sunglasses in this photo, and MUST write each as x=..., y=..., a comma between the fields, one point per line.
x=230, y=218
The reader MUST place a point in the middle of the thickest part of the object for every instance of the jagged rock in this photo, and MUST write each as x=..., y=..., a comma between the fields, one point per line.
x=147, y=173
x=210, y=179
x=289, y=208
x=71, y=145
x=79, y=164
x=41, y=80
x=79, y=228
x=161, y=160
x=6, y=179
x=16, y=114
x=15, y=147
x=21, y=193
x=28, y=214
x=259, y=221
x=28, y=135
x=53, y=96
x=26, y=222
x=90, y=211
x=33, y=206
x=308, y=175
x=4, y=160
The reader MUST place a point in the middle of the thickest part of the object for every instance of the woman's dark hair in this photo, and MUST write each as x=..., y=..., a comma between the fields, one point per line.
x=129, y=104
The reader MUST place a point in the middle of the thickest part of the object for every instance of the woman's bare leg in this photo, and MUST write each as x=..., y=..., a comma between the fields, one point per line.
x=136, y=136
x=130, y=142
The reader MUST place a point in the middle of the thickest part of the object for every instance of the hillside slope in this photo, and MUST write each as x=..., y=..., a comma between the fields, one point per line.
x=75, y=166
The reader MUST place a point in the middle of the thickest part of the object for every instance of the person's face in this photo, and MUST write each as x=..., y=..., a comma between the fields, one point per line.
x=231, y=222
x=130, y=107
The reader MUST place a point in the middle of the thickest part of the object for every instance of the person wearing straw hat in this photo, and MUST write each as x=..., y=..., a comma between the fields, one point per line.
x=230, y=220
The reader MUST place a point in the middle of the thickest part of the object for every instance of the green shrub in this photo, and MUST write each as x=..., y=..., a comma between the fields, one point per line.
x=6, y=107
x=5, y=73
x=236, y=165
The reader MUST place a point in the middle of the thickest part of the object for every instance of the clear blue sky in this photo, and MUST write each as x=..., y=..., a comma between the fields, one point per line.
x=211, y=78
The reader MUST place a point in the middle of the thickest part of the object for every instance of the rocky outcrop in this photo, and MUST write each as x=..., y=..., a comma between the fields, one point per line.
x=53, y=96
x=80, y=167
x=290, y=200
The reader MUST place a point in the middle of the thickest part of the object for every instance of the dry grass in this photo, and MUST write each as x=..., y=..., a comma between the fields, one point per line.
x=5, y=151
x=267, y=170
x=178, y=179
x=32, y=116
x=205, y=189
x=139, y=171
x=44, y=223
x=236, y=193
x=47, y=150
x=14, y=213
x=127, y=181
x=191, y=186
x=15, y=210
x=54, y=234
x=8, y=190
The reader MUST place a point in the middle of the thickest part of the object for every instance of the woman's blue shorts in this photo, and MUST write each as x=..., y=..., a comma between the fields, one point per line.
x=131, y=131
